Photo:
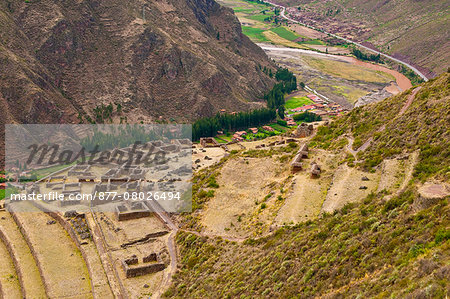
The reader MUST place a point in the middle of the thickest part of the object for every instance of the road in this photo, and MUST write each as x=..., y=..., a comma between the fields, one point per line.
x=283, y=14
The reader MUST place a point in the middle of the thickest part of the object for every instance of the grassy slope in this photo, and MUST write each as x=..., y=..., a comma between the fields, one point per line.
x=411, y=28
x=377, y=248
x=423, y=126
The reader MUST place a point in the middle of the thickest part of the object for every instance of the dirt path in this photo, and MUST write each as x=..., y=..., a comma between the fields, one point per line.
x=402, y=81
x=409, y=101
x=283, y=14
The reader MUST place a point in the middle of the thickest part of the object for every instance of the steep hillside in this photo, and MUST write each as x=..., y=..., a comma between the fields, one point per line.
x=416, y=120
x=376, y=222
x=149, y=59
x=416, y=31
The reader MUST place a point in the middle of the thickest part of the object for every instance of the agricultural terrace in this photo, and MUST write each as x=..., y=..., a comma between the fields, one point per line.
x=262, y=24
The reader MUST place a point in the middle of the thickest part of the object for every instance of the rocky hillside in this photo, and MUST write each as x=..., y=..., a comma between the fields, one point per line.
x=393, y=242
x=173, y=59
x=415, y=31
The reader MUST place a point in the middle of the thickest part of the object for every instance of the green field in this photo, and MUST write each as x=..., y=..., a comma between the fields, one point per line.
x=313, y=42
x=255, y=34
x=261, y=17
x=2, y=194
x=285, y=33
x=278, y=127
x=295, y=102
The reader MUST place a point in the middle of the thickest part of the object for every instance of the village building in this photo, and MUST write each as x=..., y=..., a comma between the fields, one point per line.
x=209, y=142
x=268, y=128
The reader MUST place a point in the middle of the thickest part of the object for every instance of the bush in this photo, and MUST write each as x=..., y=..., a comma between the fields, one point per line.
x=282, y=122
x=307, y=117
x=442, y=235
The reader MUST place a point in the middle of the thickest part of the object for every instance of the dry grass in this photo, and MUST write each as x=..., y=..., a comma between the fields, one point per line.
x=348, y=71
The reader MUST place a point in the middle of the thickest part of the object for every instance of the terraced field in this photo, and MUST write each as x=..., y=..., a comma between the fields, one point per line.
x=27, y=269
x=60, y=263
x=9, y=280
x=260, y=24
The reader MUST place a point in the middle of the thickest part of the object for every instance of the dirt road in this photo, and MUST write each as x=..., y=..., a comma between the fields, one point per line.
x=402, y=81
x=283, y=14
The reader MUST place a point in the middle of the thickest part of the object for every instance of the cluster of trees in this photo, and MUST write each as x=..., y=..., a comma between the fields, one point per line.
x=208, y=126
x=275, y=97
x=307, y=117
x=110, y=137
x=260, y=2
x=370, y=57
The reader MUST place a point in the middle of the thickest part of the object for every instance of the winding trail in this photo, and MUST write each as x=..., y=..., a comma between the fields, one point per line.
x=409, y=101
x=283, y=15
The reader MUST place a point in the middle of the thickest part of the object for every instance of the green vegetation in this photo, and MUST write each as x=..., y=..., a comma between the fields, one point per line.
x=295, y=102
x=208, y=127
x=362, y=56
x=256, y=34
x=423, y=127
x=411, y=75
x=285, y=33
x=307, y=117
x=367, y=250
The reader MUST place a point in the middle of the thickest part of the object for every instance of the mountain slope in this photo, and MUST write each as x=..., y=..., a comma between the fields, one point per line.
x=169, y=59
x=414, y=31
x=392, y=243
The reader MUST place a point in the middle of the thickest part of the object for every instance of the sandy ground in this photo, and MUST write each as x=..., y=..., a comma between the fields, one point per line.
x=10, y=287
x=392, y=174
x=303, y=202
x=393, y=88
x=243, y=181
x=64, y=270
x=215, y=153
x=305, y=199
x=32, y=282
x=345, y=187
x=401, y=80
x=434, y=190
x=307, y=32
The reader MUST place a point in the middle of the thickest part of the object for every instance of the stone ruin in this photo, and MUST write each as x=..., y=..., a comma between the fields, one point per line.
x=79, y=224
x=183, y=143
x=209, y=142
x=303, y=130
x=296, y=164
x=315, y=170
x=55, y=182
x=79, y=170
x=303, y=151
x=133, y=210
x=68, y=190
x=124, y=174
x=86, y=178
x=150, y=264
